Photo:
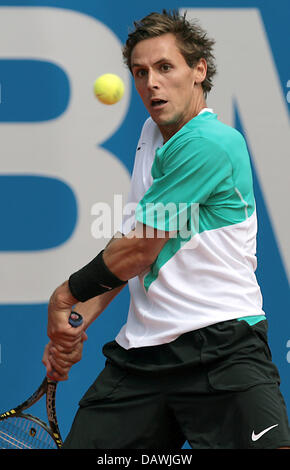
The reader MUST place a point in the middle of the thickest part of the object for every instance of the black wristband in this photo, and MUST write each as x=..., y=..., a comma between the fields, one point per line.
x=93, y=279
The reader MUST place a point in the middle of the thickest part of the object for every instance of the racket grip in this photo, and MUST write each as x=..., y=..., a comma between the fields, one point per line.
x=75, y=319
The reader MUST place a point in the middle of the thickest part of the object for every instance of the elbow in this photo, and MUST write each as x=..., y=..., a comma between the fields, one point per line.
x=148, y=247
x=144, y=256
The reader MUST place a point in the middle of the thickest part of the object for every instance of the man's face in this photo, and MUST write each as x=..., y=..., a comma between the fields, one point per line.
x=165, y=82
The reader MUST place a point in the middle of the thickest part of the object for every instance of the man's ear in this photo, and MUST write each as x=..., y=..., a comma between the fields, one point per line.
x=200, y=71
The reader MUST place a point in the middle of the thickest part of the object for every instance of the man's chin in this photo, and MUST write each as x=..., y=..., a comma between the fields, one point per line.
x=163, y=121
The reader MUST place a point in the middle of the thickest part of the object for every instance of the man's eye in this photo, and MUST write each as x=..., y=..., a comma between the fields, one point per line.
x=165, y=67
x=141, y=73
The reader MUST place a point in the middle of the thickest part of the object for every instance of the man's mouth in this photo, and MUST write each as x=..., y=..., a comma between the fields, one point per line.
x=156, y=103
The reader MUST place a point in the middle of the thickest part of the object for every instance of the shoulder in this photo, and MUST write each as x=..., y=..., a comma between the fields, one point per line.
x=195, y=154
x=208, y=137
x=190, y=145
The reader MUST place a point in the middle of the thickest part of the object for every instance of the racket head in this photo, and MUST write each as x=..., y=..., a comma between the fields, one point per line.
x=19, y=430
x=26, y=432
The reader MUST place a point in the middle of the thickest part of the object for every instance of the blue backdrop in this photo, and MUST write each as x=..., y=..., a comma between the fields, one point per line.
x=45, y=126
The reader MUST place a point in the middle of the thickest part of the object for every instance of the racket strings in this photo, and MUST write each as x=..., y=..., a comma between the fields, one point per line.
x=22, y=433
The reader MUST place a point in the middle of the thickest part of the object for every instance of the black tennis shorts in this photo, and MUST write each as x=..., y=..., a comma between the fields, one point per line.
x=216, y=388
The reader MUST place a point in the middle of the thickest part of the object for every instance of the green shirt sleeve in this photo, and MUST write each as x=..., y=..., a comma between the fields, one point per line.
x=186, y=172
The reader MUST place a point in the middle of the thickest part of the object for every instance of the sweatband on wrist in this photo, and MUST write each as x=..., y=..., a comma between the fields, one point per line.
x=93, y=279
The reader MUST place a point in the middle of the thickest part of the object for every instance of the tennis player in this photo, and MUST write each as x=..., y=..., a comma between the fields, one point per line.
x=192, y=361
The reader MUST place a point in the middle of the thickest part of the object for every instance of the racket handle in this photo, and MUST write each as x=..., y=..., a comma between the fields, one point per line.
x=75, y=319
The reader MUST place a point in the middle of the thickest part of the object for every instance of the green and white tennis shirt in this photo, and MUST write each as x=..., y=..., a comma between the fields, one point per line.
x=198, y=186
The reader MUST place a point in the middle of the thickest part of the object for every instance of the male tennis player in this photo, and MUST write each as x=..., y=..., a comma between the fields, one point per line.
x=192, y=361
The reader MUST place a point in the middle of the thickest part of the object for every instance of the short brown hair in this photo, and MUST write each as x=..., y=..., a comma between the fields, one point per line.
x=192, y=40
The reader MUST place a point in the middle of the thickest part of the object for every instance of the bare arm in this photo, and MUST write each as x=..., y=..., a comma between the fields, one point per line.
x=59, y=309
x=126, y=257
x=64, y=351
x=92, y=308
x=133, y=254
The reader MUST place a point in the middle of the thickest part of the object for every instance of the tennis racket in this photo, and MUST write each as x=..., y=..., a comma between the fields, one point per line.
x=20, y=430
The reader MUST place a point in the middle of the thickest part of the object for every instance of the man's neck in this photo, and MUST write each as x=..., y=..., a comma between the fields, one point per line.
x=169, y=130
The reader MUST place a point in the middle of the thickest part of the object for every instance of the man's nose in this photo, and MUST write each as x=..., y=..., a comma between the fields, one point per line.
x=152, y=82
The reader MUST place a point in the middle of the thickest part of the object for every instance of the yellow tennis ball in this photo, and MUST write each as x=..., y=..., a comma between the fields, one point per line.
x=109, y=88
